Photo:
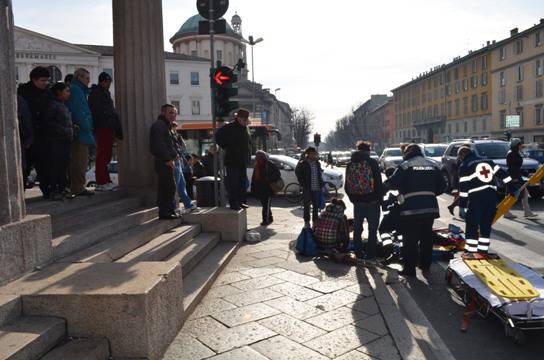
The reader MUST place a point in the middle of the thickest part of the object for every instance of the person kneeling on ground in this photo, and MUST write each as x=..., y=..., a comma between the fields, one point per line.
x=332, y=232
x=264, y=174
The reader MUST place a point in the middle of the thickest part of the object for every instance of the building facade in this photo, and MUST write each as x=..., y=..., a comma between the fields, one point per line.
x=381, y=126
x=362, y=126
x=518, y=82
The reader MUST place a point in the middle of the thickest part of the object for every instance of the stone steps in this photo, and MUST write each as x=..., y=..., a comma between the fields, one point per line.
x=80, y=349
x=190, y=255
x=197, y=283
x=117, y=246
x=72, y=221
x=30, y=337
x=95, y=232
x=10, y=308
x=162, y=246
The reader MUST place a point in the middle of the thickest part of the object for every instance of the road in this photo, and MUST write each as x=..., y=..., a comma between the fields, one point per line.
x=519, y=240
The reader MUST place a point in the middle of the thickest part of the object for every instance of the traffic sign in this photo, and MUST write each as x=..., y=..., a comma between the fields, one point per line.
x=219, y=8
x=219, y=27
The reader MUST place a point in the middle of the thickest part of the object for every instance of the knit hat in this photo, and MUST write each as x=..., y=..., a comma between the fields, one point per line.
x=514, y=142
x=104, y=76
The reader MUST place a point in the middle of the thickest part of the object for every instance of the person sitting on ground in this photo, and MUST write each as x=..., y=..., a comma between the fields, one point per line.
x=332, y=230
x=264, y=174
x=58, y=135
x=310, y=178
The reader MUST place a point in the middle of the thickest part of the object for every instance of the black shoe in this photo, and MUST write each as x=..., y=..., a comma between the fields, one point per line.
x=169, y=217
x=450, y=209
x=265, y=223
x=407, y=272
x=270, y=221
x=244, y=206
x=86, y=193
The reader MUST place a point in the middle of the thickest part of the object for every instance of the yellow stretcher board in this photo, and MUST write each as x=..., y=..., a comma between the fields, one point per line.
x=502, y=280
x=510, y=200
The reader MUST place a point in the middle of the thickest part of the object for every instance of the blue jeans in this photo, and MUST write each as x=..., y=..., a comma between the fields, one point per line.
x=180, y=184
x=370, y=212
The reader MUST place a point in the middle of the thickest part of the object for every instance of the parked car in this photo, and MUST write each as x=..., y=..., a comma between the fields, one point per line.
x=90, y=176
x=434, y=151
x=537, y=154
x=342, y=158
x=391, y=157
x=287, y=167
x=495, y=150
x=375, y=156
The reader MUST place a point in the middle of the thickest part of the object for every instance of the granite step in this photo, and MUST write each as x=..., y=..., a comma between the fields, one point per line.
x=95, y=232
x=162, y=246
x=115, y=247
x=197, y=283
x=10, y=308
x=28, y=338
x=71, y=221
x=193, y=253
x=80, y=349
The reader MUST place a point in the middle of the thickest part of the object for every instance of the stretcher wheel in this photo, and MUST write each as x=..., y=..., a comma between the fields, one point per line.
x=517, y=335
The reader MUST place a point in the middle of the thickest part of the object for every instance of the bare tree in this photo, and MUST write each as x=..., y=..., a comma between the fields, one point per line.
x=302, y=124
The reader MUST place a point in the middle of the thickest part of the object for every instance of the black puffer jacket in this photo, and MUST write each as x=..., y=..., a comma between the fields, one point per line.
x=234, y=138
x=58, y=122
x=103, y=111
x=38, y=101
x=514, y=161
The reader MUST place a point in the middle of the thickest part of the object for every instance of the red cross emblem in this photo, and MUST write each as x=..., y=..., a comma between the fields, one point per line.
x=484, y=172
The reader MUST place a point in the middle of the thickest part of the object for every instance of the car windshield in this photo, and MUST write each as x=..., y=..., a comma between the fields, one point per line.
x=392, y=152
x=434, y=151
x=496, y=150
x=373, y=153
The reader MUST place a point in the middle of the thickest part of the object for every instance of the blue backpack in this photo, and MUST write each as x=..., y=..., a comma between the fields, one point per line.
x=306, y=244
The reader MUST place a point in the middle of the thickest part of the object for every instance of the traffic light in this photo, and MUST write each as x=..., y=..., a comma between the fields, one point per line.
x=222, y=80
x=317, y=139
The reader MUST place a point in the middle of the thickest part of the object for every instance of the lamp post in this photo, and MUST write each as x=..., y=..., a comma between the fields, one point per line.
x=253, y=42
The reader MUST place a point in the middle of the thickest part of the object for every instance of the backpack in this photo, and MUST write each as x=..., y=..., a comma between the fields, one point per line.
x=359, y=179
x=306, y=245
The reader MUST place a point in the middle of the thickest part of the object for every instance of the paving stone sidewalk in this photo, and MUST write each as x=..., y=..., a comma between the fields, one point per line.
x=269, y=303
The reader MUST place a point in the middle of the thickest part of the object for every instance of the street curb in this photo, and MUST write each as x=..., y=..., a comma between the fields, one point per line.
x=414, y=335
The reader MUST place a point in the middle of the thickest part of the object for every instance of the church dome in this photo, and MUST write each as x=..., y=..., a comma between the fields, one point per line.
x=190, y=27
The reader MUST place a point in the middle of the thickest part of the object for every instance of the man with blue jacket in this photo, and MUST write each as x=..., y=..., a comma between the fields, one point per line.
x=83, y=136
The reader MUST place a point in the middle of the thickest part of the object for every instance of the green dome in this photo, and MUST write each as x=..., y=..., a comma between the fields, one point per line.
x=190, y=27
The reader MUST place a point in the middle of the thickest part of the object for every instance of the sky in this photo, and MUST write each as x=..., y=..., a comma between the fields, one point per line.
x=326, y=56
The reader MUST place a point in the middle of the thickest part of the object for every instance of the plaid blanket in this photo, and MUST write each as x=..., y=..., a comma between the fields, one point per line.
x=331, y=230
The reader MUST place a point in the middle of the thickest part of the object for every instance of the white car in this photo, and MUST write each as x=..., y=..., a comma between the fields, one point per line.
x=287, y=166
x=434, y=151
x=90, y=176
x=391, y=157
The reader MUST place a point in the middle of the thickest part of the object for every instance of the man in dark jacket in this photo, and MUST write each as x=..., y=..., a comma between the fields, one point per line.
x=364, y=189
x=419, y=182
x=163, y=149
x=310, y=177
x=234, y=138
x=38, y=97
x=105, y=122
x=514, y=161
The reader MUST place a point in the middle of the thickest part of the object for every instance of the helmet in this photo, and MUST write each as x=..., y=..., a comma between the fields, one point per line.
x=514, y=142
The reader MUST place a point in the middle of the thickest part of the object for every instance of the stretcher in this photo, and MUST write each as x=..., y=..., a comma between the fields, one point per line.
x=516, y=315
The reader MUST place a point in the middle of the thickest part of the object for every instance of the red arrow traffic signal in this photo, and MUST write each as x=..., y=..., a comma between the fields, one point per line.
x=219, y=78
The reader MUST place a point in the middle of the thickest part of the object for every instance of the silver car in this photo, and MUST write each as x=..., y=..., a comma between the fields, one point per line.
x=391, y=158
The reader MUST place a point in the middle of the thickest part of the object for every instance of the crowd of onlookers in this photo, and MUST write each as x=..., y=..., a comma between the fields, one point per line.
x=59, y=123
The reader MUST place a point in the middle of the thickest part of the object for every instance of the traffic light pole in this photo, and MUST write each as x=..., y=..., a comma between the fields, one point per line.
x=214, y=120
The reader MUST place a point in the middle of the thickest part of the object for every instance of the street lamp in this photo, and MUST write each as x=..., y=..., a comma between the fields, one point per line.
x=253, y=42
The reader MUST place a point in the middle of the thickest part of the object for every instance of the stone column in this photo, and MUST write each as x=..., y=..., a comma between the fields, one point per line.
x=12, y=205
x=139, y=84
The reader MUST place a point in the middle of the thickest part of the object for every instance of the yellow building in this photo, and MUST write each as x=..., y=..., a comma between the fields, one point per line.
x=517, y=67
x=450, y=101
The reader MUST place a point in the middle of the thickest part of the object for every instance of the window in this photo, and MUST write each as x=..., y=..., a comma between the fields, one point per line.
x=449, y=108
x=457, y=107
x=176, y=105
x=539, y=67
x=502, y=78
x=518, y=46
x=502, y=118
x=484, y=79
x=456, y=73
x=474, y=126
x=465, y=105
x=502, y=53
x=457, y=128
x=174, y=78
x=448, y=76
x=219, y=55
x=474, y=66
x=484, y=62
x=519, y=73
x=195, y=107
x=519, y=111
x=502, y=96
x=483, y=101
x=484, y=124
x=519, y=92
x=465, y=127
x=207, y=54
x=539, y=114
x=449, y=128
x=457, y=86
x=465, y=84
x=474, y=103
x=448, y=90
x=195, y=78
x=538, y=38
x=538, y=88
x=474, y=81
x=194, y=53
